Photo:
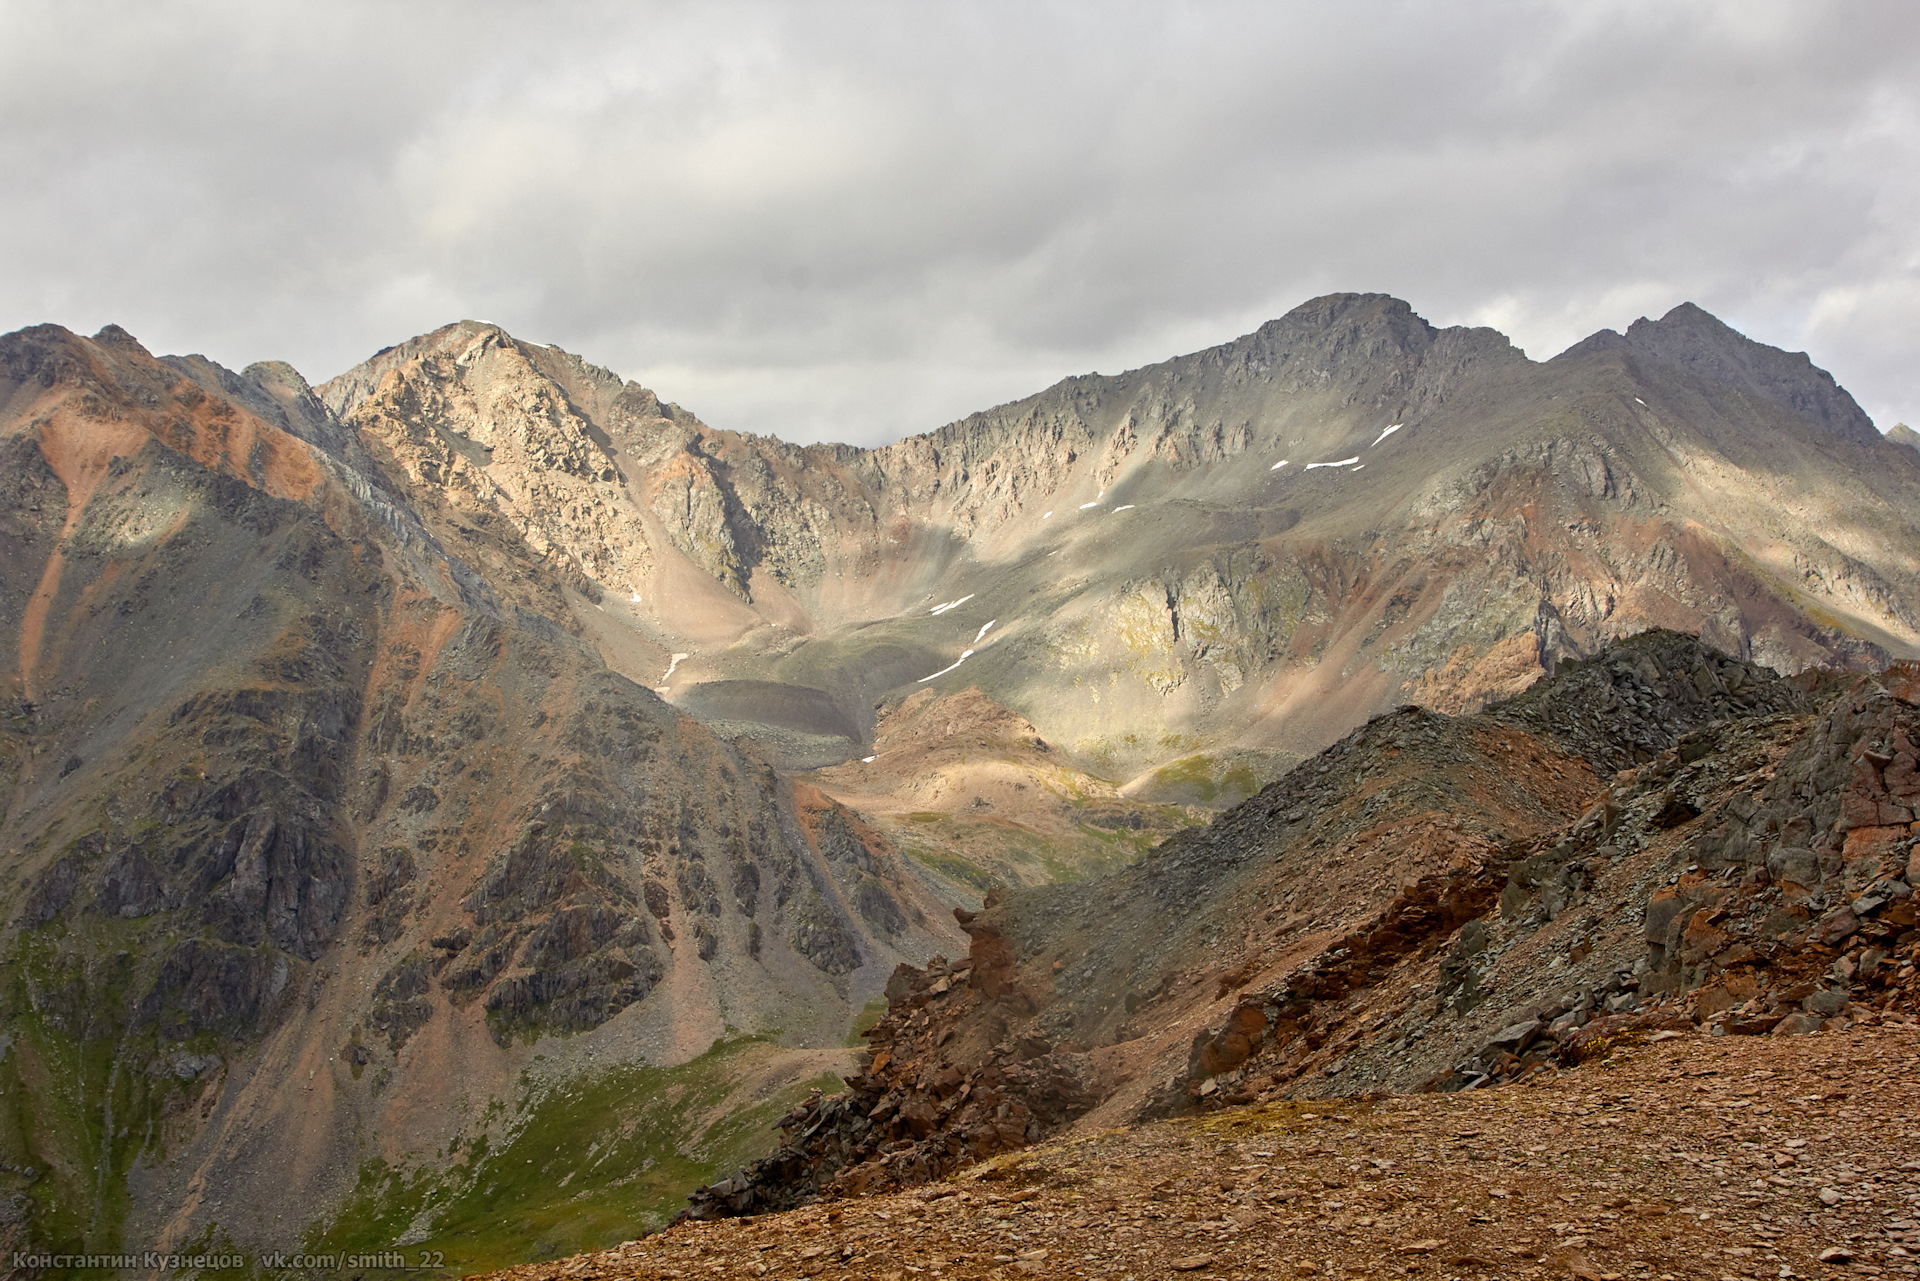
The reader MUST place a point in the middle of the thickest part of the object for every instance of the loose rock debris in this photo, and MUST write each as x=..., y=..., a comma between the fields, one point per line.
x=1696, y=1156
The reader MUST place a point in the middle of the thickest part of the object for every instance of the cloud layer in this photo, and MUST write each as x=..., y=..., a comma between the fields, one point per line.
x=855, y=221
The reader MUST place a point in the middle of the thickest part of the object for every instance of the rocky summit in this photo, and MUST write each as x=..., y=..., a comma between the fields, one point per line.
x=470, y=804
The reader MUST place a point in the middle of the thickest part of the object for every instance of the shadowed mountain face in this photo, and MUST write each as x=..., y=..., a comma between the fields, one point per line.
x=395, y=768
x=325, y=845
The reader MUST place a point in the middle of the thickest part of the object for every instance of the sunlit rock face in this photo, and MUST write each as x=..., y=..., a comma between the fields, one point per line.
x=1220, y=562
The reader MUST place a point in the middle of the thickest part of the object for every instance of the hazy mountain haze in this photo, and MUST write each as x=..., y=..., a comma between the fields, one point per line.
x=853, y=221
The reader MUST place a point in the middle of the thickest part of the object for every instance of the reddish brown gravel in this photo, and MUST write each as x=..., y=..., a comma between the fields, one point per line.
x=1694, y=1156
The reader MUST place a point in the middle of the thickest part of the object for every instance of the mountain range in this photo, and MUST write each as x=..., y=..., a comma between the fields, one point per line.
x=464, y=802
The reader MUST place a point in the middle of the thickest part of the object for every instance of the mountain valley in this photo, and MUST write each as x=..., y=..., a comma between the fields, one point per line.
x=463, y=805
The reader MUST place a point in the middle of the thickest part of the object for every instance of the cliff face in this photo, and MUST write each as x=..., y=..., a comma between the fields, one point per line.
x=323, y=829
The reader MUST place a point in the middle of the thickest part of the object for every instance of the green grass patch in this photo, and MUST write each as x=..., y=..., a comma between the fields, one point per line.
x=870, y=1013
x=1120, y=846
x=1191, y=775
x=78, y=1107
x=1200, y=780
x=592, y=1162
x=954, y=867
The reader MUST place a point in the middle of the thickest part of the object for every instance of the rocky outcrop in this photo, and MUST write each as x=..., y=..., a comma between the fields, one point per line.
x=924, y=1104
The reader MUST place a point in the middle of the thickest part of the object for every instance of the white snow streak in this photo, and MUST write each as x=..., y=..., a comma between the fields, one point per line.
x=635, y=598
x=983, y=631
x=1124, y=507
x=1277, y=466
x=1094, y=503
x=941, y=609
x=866, y=760
x=1388, y=432
x=1048, y=514
x=1640, y=402
x=965, y=654
x=1344, y=462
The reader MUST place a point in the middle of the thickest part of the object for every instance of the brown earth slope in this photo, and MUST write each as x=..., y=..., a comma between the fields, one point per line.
x=972, y=791
x=1691, y=1157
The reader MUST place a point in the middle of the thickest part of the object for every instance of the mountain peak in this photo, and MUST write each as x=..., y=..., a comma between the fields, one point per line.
x=115, y=336
x=1695, y=340
x=1691, y=315
x=1355, y=312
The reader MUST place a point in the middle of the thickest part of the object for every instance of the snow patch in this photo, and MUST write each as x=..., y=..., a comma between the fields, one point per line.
x=866, y=760
x=965, y=654
x=1124, y=507
x=1094, y=503
x=1640, y=402
x=941, y=609
x=634, y=599
x=1277, y=466
x=1388, y=432
x=1344, y=462
x=983, y=631
x=1045, y=517
x=670, y=666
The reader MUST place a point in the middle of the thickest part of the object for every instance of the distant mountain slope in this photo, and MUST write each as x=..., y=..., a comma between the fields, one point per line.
x=1234, y=555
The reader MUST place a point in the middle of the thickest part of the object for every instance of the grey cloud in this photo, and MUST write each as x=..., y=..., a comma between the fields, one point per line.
x=859, y=220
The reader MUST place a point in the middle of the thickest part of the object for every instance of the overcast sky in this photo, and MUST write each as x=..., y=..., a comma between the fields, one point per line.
x=857, y=221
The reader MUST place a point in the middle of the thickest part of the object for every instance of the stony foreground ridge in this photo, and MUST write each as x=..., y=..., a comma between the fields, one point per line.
x=1685, y=1157
x=1431, y=905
